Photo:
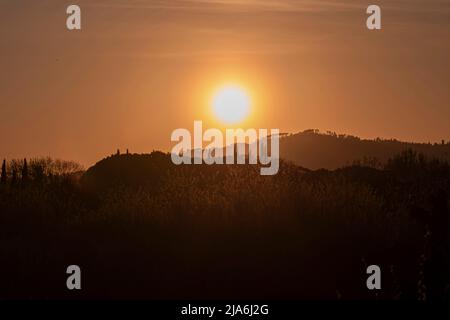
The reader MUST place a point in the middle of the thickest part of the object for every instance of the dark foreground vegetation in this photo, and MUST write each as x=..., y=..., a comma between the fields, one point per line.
x=140, y=227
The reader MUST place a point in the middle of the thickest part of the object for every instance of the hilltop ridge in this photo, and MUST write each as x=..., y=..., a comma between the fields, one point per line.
x=315, y=150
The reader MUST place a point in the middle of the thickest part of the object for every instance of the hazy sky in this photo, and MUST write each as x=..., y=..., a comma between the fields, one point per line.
x=140, y=69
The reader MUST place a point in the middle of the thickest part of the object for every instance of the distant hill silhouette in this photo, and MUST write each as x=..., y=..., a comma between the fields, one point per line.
x=315, y=150
x=308, y=150
x=127, y=170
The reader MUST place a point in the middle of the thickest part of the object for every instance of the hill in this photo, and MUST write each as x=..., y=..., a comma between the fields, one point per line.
x=315, y=150
x=127, y=170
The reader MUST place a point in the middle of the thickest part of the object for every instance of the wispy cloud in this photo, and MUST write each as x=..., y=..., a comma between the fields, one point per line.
x=271, y=5
x=230, y=5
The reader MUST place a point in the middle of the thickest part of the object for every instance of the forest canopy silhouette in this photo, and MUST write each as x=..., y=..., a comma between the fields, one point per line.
x=166, y=231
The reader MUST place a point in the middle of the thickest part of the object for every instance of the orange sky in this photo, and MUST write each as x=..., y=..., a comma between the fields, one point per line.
x=140, y=69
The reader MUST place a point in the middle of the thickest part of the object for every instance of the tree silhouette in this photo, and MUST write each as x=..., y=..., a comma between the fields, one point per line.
x=3, y=178
x=24, y=172
x=14, y=177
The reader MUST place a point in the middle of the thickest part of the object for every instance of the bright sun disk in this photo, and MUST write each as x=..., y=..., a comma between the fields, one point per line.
x=231, y=104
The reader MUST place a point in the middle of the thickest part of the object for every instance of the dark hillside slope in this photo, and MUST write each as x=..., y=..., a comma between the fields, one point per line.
x=315, y=150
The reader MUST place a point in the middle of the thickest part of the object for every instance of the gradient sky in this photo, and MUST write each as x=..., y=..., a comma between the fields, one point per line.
x=140, y=69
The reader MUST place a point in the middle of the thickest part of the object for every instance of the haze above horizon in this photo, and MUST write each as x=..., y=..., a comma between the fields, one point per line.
x=140, y=69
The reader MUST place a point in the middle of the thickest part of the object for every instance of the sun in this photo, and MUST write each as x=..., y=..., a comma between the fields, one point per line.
x=231, y=104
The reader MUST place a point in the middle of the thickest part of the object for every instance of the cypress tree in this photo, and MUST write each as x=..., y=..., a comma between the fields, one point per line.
x=3, y=178
x=24, y=172
x=14, y=177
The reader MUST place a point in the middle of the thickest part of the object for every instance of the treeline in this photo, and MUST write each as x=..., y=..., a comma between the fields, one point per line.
x=141, y=227
x=36, y=170
x=352, y=137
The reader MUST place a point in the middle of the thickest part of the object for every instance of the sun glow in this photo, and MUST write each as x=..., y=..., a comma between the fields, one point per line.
x=231, y=104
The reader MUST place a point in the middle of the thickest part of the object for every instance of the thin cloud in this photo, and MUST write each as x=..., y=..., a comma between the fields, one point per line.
x=230, y=5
